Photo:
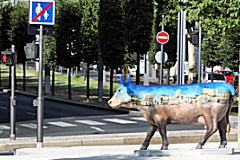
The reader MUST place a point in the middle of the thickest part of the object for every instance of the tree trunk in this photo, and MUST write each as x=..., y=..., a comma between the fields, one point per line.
x=0, y=76
x=88, y=79
x=47, y=79
x=53, y=81
x=211, y=74
x=168, y=74
x=69, y=84
x=24, y=76
x=9, y=77
x=138, y=69
x=111, y=82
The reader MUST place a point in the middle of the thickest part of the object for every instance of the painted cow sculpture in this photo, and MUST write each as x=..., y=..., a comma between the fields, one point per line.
x=207, y=104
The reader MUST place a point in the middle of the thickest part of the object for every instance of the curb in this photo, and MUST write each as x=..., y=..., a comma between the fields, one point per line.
x=125, y=111
x=109, y=139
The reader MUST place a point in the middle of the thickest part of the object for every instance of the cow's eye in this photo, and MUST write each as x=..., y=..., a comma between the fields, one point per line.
x=119, y=90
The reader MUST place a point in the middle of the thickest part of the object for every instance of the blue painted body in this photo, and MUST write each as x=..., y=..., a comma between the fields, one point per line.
x=189, y=90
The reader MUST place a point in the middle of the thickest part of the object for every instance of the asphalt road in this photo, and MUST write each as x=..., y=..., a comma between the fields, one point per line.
x=71, y=119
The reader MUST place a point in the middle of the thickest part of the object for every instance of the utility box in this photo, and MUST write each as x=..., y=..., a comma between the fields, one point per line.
x=31, y=51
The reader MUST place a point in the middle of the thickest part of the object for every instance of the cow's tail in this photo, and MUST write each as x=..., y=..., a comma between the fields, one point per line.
x=228, y=112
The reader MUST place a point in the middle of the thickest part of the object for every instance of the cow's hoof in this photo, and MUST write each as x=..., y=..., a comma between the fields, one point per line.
x=199, y=146
x=164, y=148
x=143, y=148
x=223, y=144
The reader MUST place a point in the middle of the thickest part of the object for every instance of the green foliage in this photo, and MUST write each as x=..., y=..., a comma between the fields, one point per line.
x=139, y=22
x=220, y=22
x=162, y=8
x=68, y=23
x=5, y=25
x=89, y=30
x=18, y=34
x=111, y=32
x=49, y=51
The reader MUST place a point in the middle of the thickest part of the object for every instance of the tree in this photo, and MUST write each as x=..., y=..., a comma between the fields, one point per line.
x=68, y=37
x=50, y=57
x=139, y=22
x=5, y=25
x=220, y=21
x=112, y=37
x=18, y=34
x=89, y=32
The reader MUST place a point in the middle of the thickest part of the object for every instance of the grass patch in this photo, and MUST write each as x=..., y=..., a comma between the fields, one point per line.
x=61, y=85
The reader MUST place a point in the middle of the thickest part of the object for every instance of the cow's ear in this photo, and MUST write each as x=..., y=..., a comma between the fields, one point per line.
x=128, y=78
x=122, y=80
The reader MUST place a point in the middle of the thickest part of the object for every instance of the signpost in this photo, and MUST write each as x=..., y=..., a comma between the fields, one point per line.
x=41, y=12
x=162, y=38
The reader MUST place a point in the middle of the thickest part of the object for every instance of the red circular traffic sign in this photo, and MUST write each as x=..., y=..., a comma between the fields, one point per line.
x=162, y=37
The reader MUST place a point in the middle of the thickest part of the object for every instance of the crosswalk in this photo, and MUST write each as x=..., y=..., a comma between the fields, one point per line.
x=92, y=123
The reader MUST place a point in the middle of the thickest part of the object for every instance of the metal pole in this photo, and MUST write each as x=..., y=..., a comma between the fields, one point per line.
x=13, y=100
x=40, y=109
x=100, y=67
x=199, y=55
x=161, y=64
x=183, y=45
x=178, y=49
x=238, y=104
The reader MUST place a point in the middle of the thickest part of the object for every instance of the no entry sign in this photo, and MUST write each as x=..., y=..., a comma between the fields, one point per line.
x=162, y=37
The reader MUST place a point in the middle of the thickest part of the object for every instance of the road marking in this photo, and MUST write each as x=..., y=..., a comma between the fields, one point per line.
x=3, y=108
x=121, y=121
x=98, y=129
x=3, y=127
x=62, y=124
x=31, y=125
x=31, y=114
x=139, y=118
x=90, y=122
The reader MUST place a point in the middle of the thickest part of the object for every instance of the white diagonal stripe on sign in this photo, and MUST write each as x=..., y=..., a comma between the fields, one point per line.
x=90, y=122
x=62, y=124
x=139, y=118
x=120, y=121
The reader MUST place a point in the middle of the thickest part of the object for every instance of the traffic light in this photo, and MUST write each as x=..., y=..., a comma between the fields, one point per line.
x=6, y=57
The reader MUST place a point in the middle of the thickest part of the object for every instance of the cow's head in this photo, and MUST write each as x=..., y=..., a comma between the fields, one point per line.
x=122, y=95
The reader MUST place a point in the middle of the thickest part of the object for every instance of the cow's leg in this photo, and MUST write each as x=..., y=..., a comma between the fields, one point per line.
x=211, y=129
x=222, y=126
x=150, y=133
x=163, y=133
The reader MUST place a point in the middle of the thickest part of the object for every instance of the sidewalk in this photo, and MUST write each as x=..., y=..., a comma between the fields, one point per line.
x=121, y=152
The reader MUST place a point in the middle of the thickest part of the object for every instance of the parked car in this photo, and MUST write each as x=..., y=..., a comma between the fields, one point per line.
x=217, y=77
x=228, y=75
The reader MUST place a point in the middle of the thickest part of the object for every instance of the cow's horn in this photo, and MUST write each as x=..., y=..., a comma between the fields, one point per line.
x=121, y=79
x=128, y=78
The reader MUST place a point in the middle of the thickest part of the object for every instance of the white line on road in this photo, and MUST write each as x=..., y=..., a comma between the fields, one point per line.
x=98, y=129
x=31, y=114
x=62, y=124
x=3, y=108
x=31, y=125
x=90, y=122
x=3, y=127
x=121, y=121
x=139, y=118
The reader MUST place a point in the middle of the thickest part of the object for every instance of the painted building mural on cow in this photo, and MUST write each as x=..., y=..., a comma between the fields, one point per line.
x=208, y=104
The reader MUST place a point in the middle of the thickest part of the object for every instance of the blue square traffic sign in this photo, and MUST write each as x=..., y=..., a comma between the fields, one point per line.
x=42, y=12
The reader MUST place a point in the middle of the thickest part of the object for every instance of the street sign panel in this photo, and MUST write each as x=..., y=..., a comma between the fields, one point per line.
x=158, y=57
x=162, y=37
x=42, y=12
